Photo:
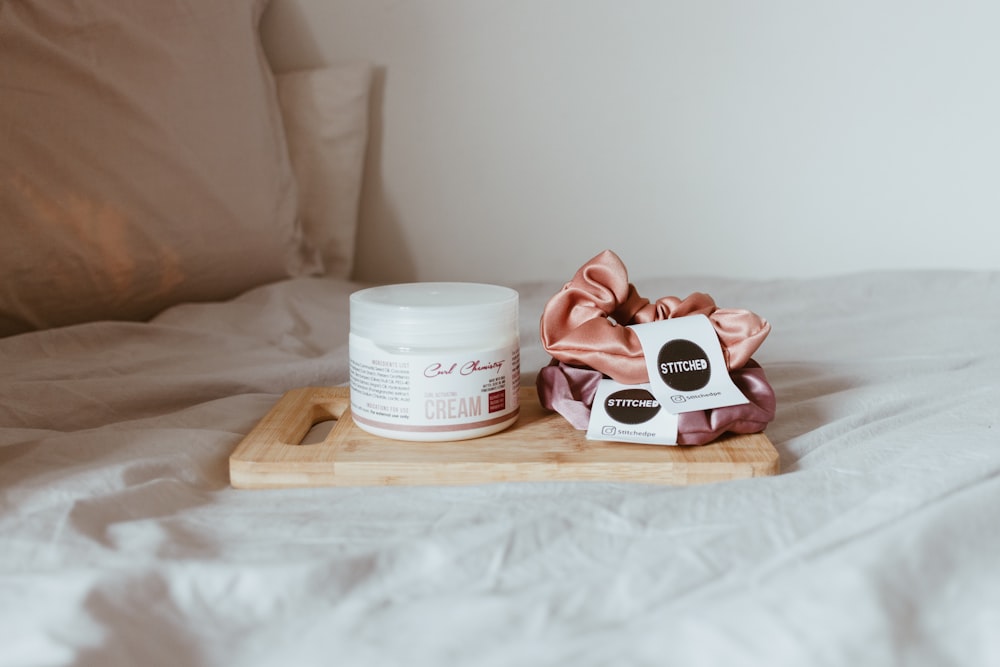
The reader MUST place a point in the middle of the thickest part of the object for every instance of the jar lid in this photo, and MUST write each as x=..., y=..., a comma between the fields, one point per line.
x=434, y=314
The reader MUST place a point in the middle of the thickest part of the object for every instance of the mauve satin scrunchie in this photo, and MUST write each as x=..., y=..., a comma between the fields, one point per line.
x=569, y=390
x=582, y=324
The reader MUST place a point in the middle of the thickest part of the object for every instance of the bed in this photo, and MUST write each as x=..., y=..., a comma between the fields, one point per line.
x=137, y=357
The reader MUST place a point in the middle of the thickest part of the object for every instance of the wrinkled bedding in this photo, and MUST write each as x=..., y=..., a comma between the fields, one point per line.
x=124, y=544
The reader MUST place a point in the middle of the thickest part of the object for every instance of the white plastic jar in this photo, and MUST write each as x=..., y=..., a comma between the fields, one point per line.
x=435, y=361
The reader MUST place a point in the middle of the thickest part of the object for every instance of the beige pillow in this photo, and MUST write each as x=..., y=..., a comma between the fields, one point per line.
x=325, y=112
x=143, y=160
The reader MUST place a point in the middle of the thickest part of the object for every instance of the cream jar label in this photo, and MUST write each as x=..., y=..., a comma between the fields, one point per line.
x=446, y=394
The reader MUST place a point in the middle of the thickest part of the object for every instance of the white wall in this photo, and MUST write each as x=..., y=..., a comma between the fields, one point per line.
x=514, y=139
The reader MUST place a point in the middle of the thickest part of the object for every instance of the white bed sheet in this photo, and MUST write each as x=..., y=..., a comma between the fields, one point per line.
x=878, y=544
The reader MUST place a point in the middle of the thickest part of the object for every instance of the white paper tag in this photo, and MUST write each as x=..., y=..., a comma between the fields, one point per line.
x=687, y=370
x=630, y=413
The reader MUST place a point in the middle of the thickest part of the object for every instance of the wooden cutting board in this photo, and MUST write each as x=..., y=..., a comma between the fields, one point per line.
x=540, y=446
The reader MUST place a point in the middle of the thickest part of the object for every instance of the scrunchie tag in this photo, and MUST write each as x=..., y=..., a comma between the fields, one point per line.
x=630, y=413
x=686, y=365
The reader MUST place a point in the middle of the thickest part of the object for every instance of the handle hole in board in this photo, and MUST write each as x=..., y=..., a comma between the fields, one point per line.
x=318, y=432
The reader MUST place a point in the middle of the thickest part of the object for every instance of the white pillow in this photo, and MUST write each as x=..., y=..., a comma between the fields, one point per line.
x=325, y=114
x=143, y=160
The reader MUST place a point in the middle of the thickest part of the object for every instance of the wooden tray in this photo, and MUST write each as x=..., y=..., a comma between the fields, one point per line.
x=540, y=446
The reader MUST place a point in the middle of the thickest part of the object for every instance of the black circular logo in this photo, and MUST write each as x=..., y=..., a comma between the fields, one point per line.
x=631, y=406
x=683, y=365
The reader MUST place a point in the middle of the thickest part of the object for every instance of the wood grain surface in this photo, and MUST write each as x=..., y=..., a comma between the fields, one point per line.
x=540, y=446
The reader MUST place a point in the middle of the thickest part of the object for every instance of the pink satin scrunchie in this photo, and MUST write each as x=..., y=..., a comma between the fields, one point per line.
x=569, y=390
x=583, y=324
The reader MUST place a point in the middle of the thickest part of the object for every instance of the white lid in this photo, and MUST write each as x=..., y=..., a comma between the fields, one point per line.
x=442, y=314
